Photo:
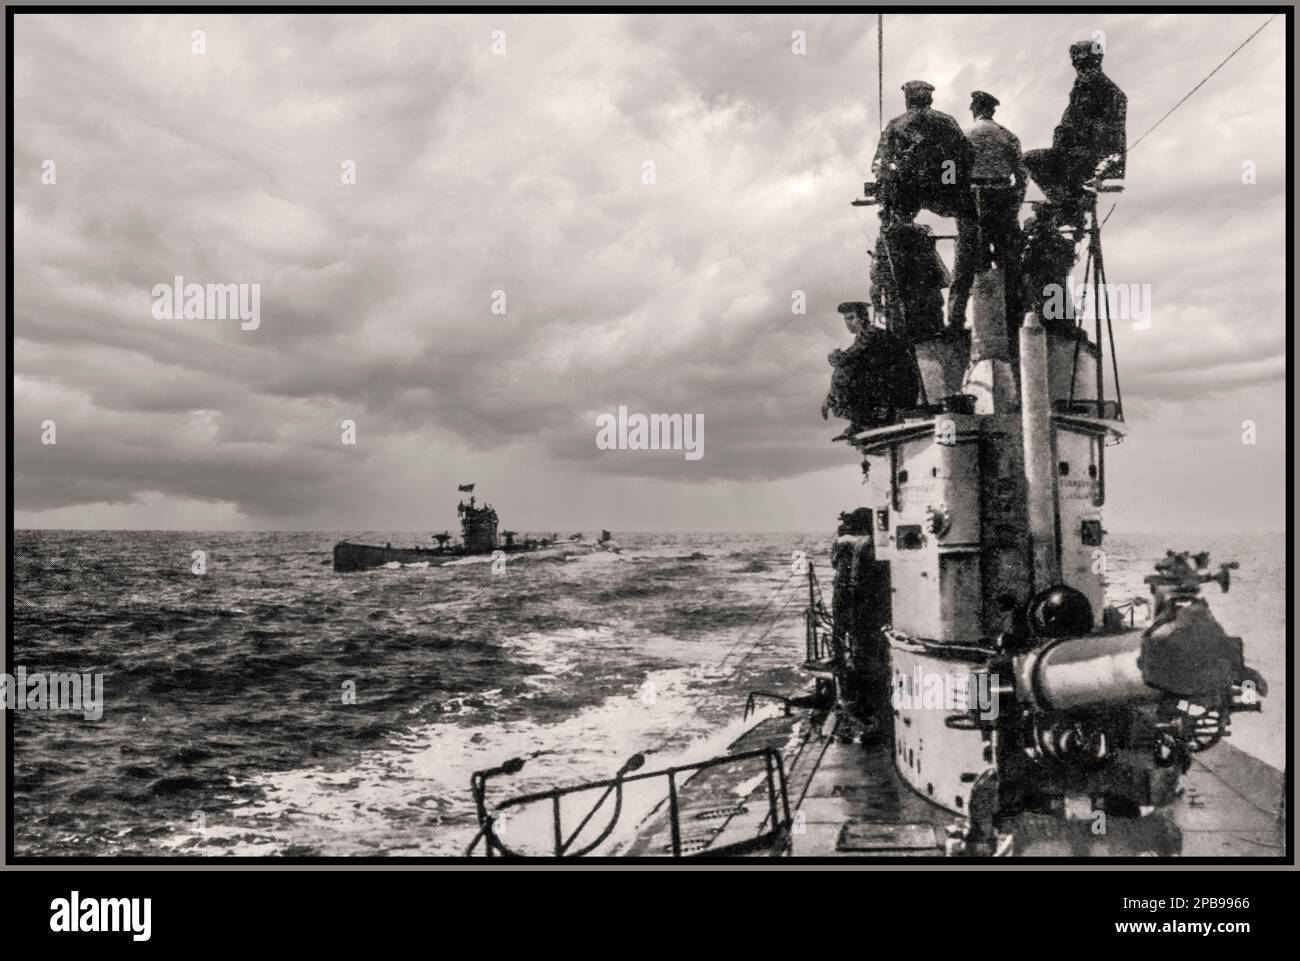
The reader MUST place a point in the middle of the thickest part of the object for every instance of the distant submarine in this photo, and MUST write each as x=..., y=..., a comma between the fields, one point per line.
x=479, y=535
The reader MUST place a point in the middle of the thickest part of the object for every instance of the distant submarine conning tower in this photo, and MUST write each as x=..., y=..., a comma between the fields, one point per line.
x=478, y=527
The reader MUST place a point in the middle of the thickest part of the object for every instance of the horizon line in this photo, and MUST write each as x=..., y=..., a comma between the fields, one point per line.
x=421, y=531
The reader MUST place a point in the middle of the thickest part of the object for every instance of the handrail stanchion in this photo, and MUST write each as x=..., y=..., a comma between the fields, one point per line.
x=559, y=831
x=785, y=800
x=771, y=792
x=673, y=814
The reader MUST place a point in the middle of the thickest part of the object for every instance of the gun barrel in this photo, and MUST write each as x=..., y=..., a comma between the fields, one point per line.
x=1188, y=655
x=1084, y=671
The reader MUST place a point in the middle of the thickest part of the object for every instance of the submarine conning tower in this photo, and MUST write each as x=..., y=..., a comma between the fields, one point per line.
x=478, y=527
x=970, y=623
x=985, y=494
x=1006, y=457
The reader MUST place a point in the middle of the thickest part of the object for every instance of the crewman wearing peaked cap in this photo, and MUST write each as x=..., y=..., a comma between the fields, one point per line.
x=991, y=232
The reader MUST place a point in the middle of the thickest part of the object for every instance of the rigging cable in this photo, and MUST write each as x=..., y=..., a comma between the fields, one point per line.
x=1189, y=93
x=776, y=594
x=777, y=618
x=1202, y=83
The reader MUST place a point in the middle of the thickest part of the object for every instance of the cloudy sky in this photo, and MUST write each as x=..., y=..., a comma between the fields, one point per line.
x=479, y=171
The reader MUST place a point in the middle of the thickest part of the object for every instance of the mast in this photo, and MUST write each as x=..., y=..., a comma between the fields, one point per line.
x=880, y=70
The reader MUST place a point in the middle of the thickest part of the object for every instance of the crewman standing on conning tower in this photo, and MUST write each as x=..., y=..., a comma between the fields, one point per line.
x=992, y=229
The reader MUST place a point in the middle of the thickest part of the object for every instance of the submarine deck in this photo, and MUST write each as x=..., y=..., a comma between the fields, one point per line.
x=350, y=557
x=848, y=801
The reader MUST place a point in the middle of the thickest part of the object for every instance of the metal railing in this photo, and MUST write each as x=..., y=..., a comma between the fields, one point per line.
x=818, y=625
x=1101, y=409
x=817, y=642
x=563, y=846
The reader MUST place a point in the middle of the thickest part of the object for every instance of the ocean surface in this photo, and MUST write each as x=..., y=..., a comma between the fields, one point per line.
x=272, y=707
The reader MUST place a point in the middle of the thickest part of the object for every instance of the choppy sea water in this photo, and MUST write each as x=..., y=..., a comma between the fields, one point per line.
x=225, y=728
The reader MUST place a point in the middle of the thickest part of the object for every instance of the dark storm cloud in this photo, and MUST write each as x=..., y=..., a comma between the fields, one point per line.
x=522, y=173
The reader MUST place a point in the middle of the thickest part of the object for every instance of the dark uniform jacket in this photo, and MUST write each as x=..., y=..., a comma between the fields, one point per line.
x=914, y=148
x=875, y=374
x=1093, y=125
